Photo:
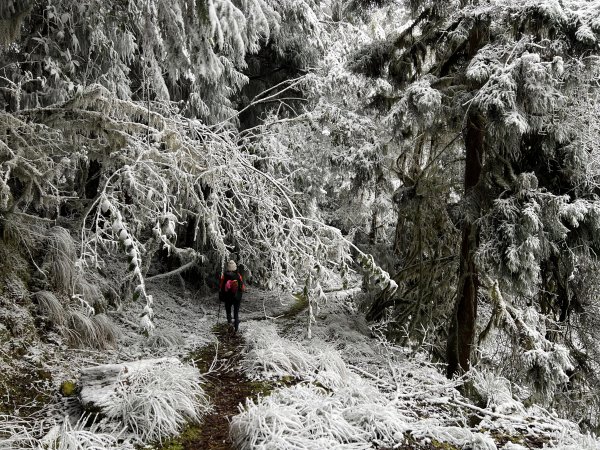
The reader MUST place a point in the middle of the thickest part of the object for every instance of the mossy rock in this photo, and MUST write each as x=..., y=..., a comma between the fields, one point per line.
x=68, y=388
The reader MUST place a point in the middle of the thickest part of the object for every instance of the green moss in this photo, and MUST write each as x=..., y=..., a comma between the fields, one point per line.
x=299, y=305
x=501, y=438
x=443, y=445
x=202, y=357
x=261, y=388
x=23, y=384
x=68, y=388
x=190, y=434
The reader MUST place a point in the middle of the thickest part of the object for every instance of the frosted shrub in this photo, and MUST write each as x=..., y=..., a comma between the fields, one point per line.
x=268, y=355
x=25, y=434
x=496, y=391
x=156, y=401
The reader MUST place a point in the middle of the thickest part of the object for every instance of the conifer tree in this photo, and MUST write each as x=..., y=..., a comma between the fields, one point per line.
x=503, y=81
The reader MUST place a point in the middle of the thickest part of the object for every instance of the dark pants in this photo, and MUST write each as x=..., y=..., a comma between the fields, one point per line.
x=235, y=302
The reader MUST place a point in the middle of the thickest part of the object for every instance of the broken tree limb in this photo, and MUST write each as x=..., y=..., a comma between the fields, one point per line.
x=173, y=272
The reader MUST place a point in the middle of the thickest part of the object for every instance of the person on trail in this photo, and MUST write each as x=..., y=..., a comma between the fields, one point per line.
x=231, y=288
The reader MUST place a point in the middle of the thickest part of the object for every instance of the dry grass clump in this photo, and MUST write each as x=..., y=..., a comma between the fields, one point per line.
x=15, y=231
x=82, y=330
x=91, y=293
x=107, y=332
x=79, y=327
x=51, y=307
x=165, y=338
x=60, y=258
x=96, y=331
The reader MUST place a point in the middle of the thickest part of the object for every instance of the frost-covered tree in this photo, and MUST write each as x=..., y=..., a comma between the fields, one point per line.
x=122, y=130
x=104, y=127
x=191, y=53
x=509, y=89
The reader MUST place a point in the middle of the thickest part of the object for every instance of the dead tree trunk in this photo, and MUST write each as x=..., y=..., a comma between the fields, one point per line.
x=462, y=321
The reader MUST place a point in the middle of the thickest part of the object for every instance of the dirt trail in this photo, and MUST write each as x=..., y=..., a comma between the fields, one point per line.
x=226, y=384
x=227, y=387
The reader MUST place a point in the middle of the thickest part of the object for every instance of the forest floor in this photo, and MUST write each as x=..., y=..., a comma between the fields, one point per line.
x=271, y=387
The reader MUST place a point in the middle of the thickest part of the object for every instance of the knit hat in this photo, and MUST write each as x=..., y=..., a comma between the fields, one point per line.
x=231, y=266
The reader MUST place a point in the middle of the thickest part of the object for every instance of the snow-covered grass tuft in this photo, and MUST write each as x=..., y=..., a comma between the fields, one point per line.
x=21, y=434
x=306, y=416
x=403, y=396
x=76, y=437
x=155, y=402
x=16, y=434
x=269, y=356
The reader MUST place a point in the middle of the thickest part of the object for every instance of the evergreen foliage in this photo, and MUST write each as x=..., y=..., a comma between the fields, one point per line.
x=516, y=81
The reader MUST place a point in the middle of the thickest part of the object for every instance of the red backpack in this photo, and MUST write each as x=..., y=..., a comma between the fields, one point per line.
x=232, y=286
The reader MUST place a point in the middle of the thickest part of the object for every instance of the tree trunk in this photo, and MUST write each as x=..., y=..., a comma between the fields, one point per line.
x=462, y=322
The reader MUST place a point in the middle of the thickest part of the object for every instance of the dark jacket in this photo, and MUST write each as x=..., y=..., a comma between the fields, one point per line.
x=224, y=296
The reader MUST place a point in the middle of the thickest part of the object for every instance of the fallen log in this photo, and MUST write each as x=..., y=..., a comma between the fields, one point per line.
x=99, y=383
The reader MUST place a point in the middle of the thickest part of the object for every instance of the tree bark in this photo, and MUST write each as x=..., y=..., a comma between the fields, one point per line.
x=462, y=322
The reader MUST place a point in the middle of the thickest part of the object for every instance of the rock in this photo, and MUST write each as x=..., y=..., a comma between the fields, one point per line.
x=100, y=382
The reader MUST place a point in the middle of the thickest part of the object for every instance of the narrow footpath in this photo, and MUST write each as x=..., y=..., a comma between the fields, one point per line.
x=227, y=387
x=225, y=383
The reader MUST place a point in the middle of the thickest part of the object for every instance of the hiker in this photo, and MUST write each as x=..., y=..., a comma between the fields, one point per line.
x=231, y=288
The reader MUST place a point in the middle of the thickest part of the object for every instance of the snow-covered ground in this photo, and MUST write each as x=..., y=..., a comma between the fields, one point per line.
x=346, y=388
x=354, y=391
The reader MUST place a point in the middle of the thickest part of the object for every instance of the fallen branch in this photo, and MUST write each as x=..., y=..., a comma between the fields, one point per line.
x=172, y=272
